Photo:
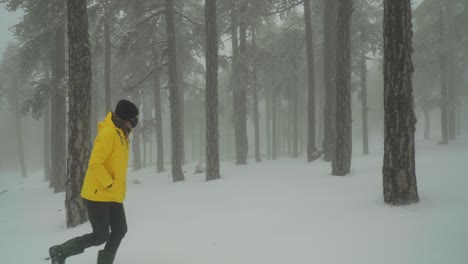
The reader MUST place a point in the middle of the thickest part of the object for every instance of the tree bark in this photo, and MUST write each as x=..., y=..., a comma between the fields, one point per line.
x=158, y=113
x=80, y=77
x=399, y=173
x=176, y=122
x=311, y=145
x=329, y=113
x=341, y=164
x=211, y=92
x=364, y=108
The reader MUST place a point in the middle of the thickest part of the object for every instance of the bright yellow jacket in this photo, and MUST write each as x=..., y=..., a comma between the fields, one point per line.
x=107, y=165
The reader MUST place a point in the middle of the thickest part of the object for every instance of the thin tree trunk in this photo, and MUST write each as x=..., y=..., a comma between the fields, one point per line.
x=241, y=115
x=46, y=152
x=295, y=126
x=274, y=145
x=107, y=56
x=176, y=122
x=256, y=118
x=399, y=173
x=341, y=164
x=443, y=82
x=158, y=113
x=311, y=145
x=80, y=77
x=329, y=113
x=18, y=131
x=142, y=131
x=268, y=120
x=364, y=108
x=136, y=142
x=211, y=95
x=58, y=135
x=427, y=123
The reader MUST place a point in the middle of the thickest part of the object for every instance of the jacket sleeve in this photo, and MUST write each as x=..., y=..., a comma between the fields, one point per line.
x=101, y=151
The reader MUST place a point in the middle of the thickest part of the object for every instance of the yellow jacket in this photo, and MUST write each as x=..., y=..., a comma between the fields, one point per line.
x=107, y=165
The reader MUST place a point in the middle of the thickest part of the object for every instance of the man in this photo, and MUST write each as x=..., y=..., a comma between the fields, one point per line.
x=104, y=187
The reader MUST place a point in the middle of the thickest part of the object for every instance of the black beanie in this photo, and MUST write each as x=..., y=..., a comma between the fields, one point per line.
x=126, y=110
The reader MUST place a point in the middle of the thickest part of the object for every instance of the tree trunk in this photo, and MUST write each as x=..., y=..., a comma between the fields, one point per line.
x=256, y=118
x=136, y=142
x=268, y=120
x=399, y=173
x=295, y=126
x=329, y=113
x=443, y=81
x=427, y=123
x=311, y=145
x=341, y=164
x=16, y=111
x=241, y=114
x=211, y=92
x=364, y=108
x=274, y=151
x=107, y=56
x=181, y=58
x=176, y=122
x=79, y=144
x=46, y=152
x=158, y=113
x=58, y=121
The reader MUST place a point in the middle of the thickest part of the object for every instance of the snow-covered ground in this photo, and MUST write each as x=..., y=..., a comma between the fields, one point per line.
x=284, y=211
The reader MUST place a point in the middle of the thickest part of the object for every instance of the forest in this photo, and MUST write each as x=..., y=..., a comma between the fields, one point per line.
x=226, y=85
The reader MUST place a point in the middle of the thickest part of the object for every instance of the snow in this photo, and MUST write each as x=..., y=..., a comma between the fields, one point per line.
x=284, y=211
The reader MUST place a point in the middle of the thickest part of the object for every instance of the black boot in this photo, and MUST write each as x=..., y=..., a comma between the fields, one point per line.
x=105, y=257
x=59, y=253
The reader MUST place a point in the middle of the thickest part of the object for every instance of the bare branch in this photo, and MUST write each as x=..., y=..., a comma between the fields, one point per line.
x=282, y=9
x=146, y=77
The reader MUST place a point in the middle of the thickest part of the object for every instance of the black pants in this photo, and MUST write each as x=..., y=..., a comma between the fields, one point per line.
x=105, y=215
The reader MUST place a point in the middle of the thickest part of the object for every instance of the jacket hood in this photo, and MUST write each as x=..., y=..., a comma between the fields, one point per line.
x=107, y=122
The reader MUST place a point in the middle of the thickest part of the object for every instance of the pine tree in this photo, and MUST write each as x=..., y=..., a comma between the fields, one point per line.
x=399, y=172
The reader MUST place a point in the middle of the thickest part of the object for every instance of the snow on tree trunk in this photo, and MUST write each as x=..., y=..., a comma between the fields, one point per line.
x=399, y=173
x=80, y=76
x=341, y=164
x=311, y=145
x=176, y=122
x=329, y=114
